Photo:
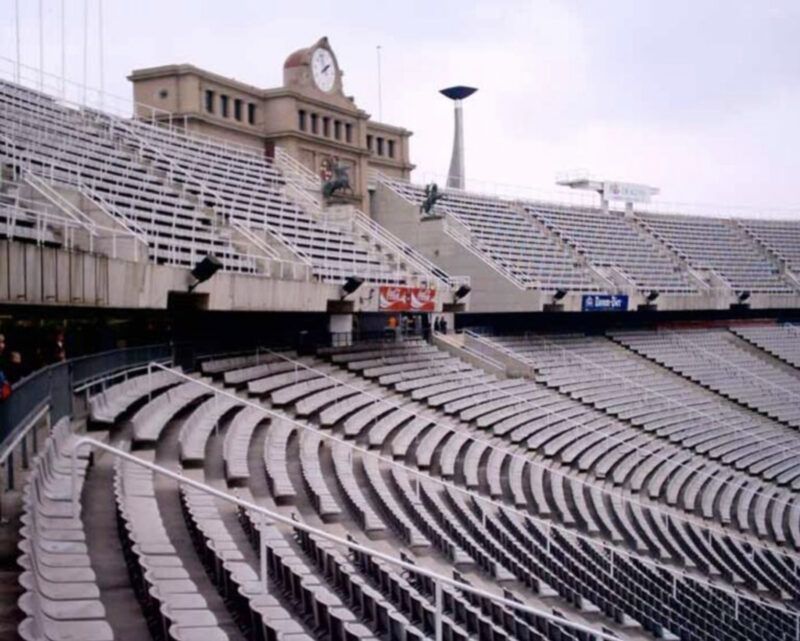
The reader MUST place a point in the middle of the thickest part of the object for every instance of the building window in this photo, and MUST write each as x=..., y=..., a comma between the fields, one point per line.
x=337, y=129
x=301, y=119
x=390, y=148
x=369, y=142
x=379, y=142
x=251, y=113
x=326, y=127
x=348, y=132
x=209, y=101
x=237, y=109
x=314, y=123
x=223, y=103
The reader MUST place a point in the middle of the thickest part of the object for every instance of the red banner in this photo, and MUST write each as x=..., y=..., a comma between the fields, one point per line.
x=407, y=299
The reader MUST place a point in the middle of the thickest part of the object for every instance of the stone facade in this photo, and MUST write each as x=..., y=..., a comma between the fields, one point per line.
x=315, y=126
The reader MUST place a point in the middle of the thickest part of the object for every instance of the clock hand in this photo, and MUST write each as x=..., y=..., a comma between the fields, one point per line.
x=326, y=67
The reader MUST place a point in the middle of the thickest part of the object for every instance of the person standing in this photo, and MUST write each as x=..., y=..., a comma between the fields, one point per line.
x=5, y=384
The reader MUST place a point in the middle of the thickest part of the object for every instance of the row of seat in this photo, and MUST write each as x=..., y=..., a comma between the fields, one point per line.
x=612, y=239
x=782, y=341
x=61, y=598
x=718, y=360
x=173, y=606
x=260, y=615
x=443, y=521
x=599, y=509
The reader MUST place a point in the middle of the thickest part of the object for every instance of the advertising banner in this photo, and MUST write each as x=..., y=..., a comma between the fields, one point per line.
x=604, y=303
x=407, y=299
x=627, y=192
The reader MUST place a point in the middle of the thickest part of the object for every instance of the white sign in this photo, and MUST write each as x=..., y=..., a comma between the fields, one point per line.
x=628, y=192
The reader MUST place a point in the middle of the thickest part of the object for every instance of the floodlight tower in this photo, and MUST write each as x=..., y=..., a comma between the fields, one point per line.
x=455, y=177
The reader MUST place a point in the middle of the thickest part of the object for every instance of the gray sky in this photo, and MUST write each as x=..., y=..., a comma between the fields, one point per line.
x=698, y=98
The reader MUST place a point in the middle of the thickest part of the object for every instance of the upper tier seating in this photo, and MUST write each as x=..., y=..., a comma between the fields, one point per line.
x=505, y=236
x=250, y=189
x=716, y=243
x=177, y=191
x=59, y=144
x=645, y=251
x=781, y=237
x=611, y=239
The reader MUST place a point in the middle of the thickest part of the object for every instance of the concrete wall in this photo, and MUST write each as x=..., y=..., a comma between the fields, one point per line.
x=34, y=275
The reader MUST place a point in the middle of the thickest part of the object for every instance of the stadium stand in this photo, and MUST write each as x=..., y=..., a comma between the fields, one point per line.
x=533, y=244
x=539, y=491
x=168, y=191
x=328, y=475
x=502, y=234
x=779, y=237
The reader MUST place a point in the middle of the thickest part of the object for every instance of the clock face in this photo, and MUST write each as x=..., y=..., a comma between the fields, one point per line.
x=323, y=69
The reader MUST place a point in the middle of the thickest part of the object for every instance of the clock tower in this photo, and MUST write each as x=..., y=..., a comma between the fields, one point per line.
x=314, y=70
x=310, y=116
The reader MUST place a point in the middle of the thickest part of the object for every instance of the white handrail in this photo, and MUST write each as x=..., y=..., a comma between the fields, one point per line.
x=56, y=199
x=130, y=226
x=298, y=525
x=300, y=181
x=296, y=170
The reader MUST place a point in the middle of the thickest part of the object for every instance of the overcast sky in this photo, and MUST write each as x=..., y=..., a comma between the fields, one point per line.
x=700, y=98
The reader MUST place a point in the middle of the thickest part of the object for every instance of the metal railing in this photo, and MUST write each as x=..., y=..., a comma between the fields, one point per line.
x=300, y=181
x=380, y=235
x=57, y=200
x=69, y=92
x=296, y=171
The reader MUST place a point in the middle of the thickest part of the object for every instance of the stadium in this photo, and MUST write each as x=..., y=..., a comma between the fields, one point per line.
x=261, y=381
